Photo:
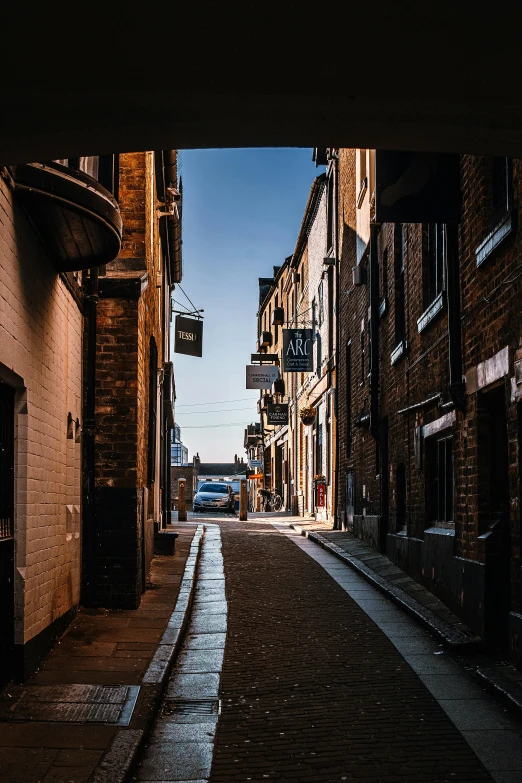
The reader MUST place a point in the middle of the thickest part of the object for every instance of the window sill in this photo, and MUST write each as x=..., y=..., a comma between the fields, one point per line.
x=431, y=312
x=398, y=352
x=493, y=239
x=383, y=307
x=441, y=529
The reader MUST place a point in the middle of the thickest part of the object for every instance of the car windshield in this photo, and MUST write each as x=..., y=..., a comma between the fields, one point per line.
x=219, y=489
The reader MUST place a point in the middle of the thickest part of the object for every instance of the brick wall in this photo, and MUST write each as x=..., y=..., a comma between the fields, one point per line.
x=484, y=582
x=132, y=309
x=40, y=355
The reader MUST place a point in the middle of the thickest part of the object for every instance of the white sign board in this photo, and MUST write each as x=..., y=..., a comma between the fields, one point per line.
x=261, y=377
x=254, y=463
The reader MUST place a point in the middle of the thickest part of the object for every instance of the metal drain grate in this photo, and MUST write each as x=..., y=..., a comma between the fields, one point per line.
x=73, y=703
x=191, y=707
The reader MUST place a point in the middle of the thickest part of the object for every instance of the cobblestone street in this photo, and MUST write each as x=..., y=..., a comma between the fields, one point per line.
x=313, y=690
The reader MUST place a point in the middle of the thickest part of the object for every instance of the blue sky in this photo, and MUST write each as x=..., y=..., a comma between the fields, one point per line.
x=242, y=210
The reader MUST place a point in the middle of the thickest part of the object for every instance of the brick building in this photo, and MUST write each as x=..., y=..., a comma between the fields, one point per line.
x=429, y=390
x=86, y=388
x=300, y=455
x=55, y=220
x=127, y=451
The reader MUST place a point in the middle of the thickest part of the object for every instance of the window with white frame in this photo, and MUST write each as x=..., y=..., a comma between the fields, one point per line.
x=433, y=267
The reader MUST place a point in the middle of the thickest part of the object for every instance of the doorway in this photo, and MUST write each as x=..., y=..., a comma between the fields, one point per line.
x=349, y=505
x=384, y=473
x=493, y=512
x=400, y=489
x=6, y=530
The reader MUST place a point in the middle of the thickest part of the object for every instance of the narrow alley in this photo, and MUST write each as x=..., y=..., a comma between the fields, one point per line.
x=261, y=400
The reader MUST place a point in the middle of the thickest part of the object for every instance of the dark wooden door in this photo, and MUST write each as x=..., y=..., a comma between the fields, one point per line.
x=385, y=499
x=350, y=499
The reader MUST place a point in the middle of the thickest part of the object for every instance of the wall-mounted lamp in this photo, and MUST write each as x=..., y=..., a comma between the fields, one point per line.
x=359, y=275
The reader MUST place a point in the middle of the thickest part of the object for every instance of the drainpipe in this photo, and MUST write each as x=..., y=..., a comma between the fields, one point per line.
x=456, y=384
x=89, y=429
x=374, y=333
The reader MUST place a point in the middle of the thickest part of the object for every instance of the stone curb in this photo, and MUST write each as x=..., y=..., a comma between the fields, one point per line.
x=118, y=762
x=497, y=684
x=455, y=639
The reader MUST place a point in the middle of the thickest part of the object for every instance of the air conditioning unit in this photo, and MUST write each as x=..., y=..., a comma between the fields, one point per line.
x=359, y=275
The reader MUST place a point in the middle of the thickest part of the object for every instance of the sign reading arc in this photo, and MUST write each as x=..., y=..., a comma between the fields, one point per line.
x=188, y=336
x=297, y=350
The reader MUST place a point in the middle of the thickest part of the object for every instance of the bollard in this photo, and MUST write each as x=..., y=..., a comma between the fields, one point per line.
x=243, y=498
x=182, y=505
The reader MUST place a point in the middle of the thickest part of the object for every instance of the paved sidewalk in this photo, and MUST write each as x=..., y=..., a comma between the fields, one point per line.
x=58, y=727
x=311, y=688
x=378, y=569
x=499, y=676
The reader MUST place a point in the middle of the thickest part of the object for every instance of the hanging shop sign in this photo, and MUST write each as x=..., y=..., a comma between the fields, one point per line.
x=298, y=353
x=417, y=187
x=277, y=414
x=321, y=494
x=261, y=377
x=188, y=336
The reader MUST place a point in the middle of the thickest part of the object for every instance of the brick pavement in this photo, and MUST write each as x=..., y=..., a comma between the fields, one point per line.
x=311, y=689
x=101, y=647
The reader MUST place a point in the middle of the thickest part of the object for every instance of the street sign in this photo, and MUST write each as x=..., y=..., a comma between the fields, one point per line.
x=188, y=336
x=297, y=350
x=277, y=414
x=264, y=357
x=261, y=377
x=254, y=463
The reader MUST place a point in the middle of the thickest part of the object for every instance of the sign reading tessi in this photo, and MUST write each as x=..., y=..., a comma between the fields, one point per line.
x=188, y=336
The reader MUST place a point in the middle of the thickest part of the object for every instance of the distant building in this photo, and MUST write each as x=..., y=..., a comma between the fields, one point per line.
x=178, y=452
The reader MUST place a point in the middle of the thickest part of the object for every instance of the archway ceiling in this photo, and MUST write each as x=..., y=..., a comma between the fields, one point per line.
x=401, y=76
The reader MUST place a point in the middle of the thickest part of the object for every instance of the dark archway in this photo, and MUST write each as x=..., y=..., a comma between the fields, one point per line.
x=222, y=78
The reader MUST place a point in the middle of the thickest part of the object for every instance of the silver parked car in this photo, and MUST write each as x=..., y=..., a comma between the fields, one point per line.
x=212, y=496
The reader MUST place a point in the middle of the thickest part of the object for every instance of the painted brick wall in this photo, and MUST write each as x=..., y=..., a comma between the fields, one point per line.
x=40, y=353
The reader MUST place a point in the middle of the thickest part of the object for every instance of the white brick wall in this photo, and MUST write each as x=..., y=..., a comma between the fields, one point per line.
x=40, y=353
